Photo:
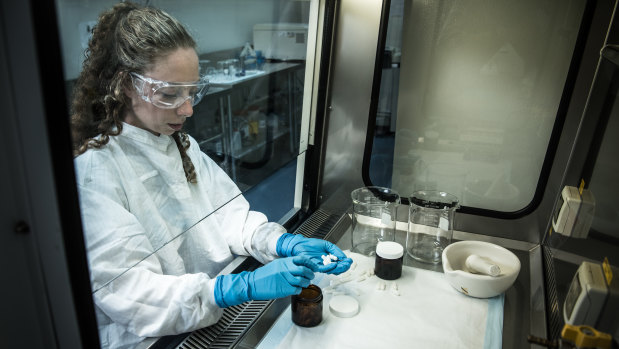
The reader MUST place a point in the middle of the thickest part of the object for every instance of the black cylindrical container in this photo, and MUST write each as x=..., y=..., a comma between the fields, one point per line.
x=307, y=306
x=389, y=258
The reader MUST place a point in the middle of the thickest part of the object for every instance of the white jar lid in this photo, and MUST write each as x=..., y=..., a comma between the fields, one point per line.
x=344, y=306
x=389, y=249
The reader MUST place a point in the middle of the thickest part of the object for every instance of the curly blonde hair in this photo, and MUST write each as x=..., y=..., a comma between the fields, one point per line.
x=127, y=38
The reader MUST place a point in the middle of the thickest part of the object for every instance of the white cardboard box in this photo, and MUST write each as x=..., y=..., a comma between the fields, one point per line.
x=283, y=41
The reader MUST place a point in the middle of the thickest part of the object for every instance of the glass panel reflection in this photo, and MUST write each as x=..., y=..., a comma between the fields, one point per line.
x=161, y=178
x=478, y=88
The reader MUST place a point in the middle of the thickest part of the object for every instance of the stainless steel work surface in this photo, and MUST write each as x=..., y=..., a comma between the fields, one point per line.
x=524, y=312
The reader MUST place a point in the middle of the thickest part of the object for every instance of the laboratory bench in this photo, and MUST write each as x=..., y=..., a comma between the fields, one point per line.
x=245, y=325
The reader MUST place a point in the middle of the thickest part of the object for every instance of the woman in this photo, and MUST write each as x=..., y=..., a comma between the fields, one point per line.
x=160, y=218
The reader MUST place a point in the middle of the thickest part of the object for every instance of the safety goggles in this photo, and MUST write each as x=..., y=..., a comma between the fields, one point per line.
x=169, y=95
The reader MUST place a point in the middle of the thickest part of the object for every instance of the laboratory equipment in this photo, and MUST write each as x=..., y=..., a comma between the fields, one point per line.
x=389, y=259
x=480, y=265
x=479, y=285
x=234, y=67
x=204, y=64
x=373, y=218
x=576, y=337
x=430, y=225
x=574, y=212
x=247, y=58
x=222, y=67
x=586, y=337
x=593, y=297
x=307, y=306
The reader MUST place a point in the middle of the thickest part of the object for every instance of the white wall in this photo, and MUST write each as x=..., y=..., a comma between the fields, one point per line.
x=215, y=24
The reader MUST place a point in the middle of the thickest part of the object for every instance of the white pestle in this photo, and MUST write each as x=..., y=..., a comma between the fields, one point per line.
x=481, y=265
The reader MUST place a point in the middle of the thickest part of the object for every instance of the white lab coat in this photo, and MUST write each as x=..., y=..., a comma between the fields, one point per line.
x=156, y=242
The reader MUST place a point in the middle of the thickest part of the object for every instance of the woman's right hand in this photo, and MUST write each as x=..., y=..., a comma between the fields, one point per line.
x=279, y=278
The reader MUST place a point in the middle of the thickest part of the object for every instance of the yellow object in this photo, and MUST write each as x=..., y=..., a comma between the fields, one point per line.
x=586, y=337
x=607, y=271
x=253, y=127
x=582, y=186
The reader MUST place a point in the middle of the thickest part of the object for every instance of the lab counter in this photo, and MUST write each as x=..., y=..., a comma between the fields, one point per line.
x=265, y=70
x=247, y=325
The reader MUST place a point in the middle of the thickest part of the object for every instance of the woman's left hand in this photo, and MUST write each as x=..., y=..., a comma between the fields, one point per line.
x=297, y=245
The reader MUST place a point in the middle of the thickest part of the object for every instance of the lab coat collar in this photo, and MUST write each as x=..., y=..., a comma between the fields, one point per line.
x=161, y=142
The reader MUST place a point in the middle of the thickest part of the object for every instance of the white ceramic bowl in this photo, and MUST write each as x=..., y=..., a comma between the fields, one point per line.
x=479, y=285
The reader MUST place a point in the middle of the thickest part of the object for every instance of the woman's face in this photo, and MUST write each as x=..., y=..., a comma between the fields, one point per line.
x=179, y=66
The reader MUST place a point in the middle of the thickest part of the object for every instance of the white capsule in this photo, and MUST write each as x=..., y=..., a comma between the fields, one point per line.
x=394, y=289
x=326, y=260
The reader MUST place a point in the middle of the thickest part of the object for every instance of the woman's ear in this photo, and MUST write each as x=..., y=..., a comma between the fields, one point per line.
x=129, y=89
x=129, y=92
x=127, y=85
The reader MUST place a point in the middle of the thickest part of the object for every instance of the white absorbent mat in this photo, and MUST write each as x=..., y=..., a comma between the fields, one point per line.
x=424, y=312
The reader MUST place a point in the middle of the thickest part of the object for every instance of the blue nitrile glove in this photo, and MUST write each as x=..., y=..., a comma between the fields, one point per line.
x=298, y=245
x=279, y=278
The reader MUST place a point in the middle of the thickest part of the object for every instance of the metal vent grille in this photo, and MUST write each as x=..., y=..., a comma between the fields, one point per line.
x=553, y=308
x=318, y=226
x=236, y=320
x=227, y=331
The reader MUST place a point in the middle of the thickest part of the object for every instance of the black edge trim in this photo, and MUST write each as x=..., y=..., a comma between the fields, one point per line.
x=46, y=32
x=315, y=153
x=378, y=69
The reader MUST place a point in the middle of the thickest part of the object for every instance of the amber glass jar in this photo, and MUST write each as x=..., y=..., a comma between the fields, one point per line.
x=307, y=307
x=389, y=259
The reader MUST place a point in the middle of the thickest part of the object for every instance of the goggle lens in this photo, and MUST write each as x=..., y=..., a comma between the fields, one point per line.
x=169, y=95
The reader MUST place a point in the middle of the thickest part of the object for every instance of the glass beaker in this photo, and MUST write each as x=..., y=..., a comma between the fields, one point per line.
x=373, y=218
x=234, y=67
x=222, y=67
x=430, y=224
x=203, y=64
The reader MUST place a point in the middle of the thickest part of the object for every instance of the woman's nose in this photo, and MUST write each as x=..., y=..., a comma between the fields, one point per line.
x=185, y=108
